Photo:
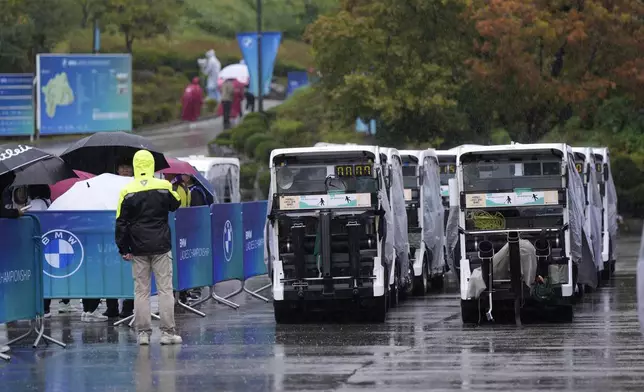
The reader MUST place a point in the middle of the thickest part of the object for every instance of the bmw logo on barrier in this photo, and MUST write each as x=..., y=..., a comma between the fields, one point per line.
x=247, y=42
x=228, y=240
x=63, y=252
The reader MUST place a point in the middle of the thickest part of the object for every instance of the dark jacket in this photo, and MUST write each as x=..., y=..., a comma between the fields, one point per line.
x=197, y=196
x=142, y=213
x=5, y=212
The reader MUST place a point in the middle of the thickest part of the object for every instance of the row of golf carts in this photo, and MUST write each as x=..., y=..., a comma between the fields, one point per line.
x=360, y=228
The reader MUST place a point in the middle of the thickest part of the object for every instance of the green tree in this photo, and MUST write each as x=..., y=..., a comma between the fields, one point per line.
x=542, y=62
x=399, y=63
x=29, y=27
x=142, y=18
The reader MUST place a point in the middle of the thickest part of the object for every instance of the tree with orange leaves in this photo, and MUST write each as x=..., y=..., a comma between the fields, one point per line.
x=540, y=61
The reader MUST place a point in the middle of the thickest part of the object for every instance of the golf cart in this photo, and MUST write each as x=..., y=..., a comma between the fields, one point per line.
x=609, y=210
x=222, y=173
x=329, y=225
x=585, y=165
x=425, y=221
x=521, y=231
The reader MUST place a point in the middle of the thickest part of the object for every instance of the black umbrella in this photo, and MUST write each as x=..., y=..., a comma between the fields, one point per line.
x=14, y=156
x=104, y=151
x=44, y=172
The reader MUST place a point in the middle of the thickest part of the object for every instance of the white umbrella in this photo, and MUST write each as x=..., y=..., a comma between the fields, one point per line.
x=98, y=193
x=235, y=71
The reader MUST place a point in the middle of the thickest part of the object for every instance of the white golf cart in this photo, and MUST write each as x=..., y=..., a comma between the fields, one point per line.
x=222, y=173
x=329, y=225
x=521, y=230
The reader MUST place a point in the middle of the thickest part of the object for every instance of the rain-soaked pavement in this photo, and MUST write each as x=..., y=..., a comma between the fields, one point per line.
x=422, y=346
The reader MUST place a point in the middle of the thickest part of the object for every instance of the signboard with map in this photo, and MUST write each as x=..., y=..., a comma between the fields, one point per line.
x=16, y=105
x=84, y=93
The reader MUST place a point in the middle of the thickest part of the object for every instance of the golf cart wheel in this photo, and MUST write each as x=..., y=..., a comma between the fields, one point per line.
x=421, y=283
x=378, y=311
x=470, y=311
x=394, y=296
x=566, y=313
x=284, y=314
x=438, y=282
x=606, y=272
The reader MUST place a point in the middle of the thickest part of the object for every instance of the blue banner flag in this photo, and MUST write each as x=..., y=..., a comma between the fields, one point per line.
x=80, y=93
x=20, y=265
x=227, y=241
x=16, y=104
x=193, y=248
x=296, y=80
x=270, y=45
x=254, y=217
x=81, y=259
x=366, y=128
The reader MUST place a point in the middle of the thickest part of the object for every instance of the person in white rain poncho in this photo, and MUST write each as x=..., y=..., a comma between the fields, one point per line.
x=211, y=67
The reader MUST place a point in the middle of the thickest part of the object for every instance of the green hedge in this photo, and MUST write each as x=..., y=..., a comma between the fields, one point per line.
x=245, y=131
x=264, y=149
x=248, y=171
x=253, y=141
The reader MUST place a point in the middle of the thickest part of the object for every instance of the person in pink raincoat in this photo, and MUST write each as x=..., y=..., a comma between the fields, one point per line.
x=191, y=101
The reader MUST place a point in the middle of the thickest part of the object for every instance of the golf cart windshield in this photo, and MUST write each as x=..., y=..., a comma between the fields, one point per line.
x=325, y=178
x=447, y=171
x=492, y=173
x=410, y=179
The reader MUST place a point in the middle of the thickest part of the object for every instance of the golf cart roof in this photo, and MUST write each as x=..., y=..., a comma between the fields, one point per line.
x=203, y=163
x=324, y=150
x=515, y=147
x=420, y=154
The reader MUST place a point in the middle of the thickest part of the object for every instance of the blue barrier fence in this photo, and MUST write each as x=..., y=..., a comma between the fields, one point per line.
x=210, y=245
x=20, y=266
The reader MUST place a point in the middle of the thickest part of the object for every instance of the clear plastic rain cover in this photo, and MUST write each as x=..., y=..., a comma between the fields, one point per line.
x=270, y=245
x=611, y=210
x=579, y=238
x=451, y=235
x=225, y=179
x=594, y=217
x=385, y=205
x=399, y=210
x=433, y=212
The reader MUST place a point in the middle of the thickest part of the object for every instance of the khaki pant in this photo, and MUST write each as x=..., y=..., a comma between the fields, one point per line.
x=142, y=268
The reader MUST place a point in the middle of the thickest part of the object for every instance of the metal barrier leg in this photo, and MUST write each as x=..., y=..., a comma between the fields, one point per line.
x=125, y=320
x=37, y=326
x=41, y=335
x=224, y=301
x=3, y=350
x=204, y=299
x=255, y=293
x=131, y=320
x=191, y=309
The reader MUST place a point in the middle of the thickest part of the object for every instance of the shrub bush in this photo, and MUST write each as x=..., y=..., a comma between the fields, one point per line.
x=211, y=106
x=245, y=130
x=290, y=133
x=253, y=141
x=265, y=182
x=263, y=151
x=248, y=171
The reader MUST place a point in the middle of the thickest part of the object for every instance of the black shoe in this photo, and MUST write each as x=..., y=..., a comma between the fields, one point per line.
x=125, y=314
x=111, y=314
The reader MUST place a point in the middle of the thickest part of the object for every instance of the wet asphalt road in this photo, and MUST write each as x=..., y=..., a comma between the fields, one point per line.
x=179, y=140
x=422, y=346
